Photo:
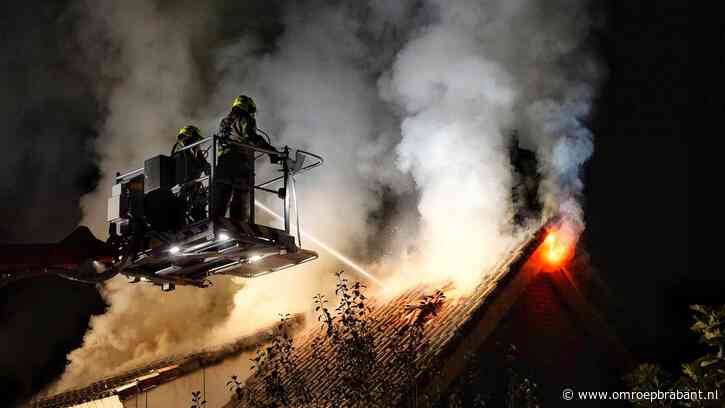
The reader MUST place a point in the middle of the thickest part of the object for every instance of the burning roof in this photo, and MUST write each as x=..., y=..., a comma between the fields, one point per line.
x=450, y=325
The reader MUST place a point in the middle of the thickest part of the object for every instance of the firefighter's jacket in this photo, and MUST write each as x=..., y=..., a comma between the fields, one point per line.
x=236, y=164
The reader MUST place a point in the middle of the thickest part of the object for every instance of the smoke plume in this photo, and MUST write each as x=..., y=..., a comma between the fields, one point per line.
x=411, y=104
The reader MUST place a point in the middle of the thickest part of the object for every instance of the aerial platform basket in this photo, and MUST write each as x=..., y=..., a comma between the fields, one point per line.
x=160, y=225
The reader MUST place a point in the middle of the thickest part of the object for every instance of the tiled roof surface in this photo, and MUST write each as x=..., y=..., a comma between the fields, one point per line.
x=444, y=331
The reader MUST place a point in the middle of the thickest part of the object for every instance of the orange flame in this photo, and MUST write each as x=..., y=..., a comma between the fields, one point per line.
x=556, y=249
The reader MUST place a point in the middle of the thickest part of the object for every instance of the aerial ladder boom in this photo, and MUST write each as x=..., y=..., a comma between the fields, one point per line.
x=80, y=256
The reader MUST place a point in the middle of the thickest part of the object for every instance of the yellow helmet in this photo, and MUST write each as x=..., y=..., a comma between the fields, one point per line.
x=190, y=133
x=245, y=103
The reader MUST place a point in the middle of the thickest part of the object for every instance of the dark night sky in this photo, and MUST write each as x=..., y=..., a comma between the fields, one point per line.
x=637, y=184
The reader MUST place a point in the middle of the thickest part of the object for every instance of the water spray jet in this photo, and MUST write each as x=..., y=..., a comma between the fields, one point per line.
x=332, y=251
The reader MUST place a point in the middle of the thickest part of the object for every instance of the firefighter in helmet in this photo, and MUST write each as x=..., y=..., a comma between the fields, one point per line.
x=194, y=163
x=234, y=175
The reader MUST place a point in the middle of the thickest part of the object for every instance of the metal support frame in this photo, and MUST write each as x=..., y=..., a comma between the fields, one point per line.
x=251, y=194
x=212, y=172
x=285, y=175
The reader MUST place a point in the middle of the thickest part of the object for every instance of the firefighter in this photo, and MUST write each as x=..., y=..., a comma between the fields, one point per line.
x=234, y=175
x=195, y=163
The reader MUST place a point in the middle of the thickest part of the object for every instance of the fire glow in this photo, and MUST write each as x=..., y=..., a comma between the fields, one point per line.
x=556, y=249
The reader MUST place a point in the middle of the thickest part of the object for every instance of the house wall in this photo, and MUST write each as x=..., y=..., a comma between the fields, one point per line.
x=211, y=381
x=110, y=402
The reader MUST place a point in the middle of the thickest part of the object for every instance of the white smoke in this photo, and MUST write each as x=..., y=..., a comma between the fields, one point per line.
x=413, y=98
x=569, y=145
x=456, y=105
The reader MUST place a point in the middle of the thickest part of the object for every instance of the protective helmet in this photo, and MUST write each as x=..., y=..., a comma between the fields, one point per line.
x=245, y=103
x=190, y=133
